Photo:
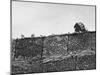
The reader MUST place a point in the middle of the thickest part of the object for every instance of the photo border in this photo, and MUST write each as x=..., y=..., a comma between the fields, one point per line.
x=51, y=3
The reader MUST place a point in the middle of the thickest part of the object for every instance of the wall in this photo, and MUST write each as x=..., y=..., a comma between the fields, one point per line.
x=57, y=45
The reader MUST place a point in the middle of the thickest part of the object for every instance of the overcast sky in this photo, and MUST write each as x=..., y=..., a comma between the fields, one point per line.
x=44, y=19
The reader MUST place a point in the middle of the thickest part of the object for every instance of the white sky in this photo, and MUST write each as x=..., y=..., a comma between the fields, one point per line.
x=44, y=19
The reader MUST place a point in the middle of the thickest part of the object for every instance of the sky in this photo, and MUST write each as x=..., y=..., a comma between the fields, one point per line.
x=46, y=18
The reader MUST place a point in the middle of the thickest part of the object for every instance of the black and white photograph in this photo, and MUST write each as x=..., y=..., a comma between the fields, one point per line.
x=52, y=37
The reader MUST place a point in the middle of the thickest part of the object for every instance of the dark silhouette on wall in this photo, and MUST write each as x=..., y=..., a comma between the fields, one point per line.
x=80, y=27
